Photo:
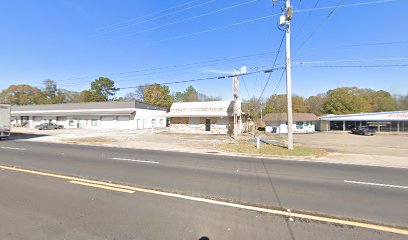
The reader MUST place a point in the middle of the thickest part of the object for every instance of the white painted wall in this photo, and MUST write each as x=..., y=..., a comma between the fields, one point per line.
x=144, y=118
x=282, y=127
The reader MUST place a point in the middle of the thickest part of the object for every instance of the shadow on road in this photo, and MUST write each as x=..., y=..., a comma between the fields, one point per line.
x=23, y=136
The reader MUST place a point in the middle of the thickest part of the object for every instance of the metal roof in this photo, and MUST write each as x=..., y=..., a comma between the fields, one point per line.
x=376, y=116
x=87, y=105
x=86, y=112
x=201, y=109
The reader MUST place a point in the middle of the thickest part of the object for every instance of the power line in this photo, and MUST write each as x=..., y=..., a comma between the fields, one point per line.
x=158, y=17
x=174, y=67
x=198, y=79
x=255, y=20
x=345, y=5
x=375, y=44
x=355, y=66
x=353, y=60
x=318, y=27
x=245, y=86
x=278, y=84
x=149, y=14
x=210, y=30
x=273, y=66
x=305, y=21
x=186, y=19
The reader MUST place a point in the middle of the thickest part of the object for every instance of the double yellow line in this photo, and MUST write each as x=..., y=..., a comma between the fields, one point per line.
x=131, y=190
x=101, y=186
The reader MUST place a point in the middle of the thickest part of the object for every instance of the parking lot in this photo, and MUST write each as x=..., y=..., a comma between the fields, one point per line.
x=379, y=144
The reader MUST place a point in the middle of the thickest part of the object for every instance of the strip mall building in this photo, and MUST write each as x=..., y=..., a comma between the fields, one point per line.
x=93, y=115
x=396, y=121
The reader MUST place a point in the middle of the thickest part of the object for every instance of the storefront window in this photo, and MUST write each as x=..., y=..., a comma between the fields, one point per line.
x=336, y=125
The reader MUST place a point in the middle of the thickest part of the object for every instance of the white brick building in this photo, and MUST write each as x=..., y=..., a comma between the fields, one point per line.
x=93, y=115
x=278, y=122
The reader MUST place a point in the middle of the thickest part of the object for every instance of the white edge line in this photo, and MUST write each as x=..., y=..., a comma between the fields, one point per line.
x=377, y=184
x=216, y=202
x=135, y=160
x=11, y=148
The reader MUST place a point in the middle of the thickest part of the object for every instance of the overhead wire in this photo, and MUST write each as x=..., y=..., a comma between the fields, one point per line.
x=147, y=15
x=273, y=66
x=254, y=20
x=174, y=67
x=318, y=27
x=155, y=18
x=345, y=5
x=185, y=19
x=198, y=79
x=304, y=22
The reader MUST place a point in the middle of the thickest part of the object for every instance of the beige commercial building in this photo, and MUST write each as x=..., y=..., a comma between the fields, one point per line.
x=214, y=117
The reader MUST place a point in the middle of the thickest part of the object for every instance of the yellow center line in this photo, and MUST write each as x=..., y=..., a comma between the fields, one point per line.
x=120, y=187
x=102, y=186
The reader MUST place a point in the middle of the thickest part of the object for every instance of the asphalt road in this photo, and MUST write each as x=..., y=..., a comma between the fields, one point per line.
x=311, y=187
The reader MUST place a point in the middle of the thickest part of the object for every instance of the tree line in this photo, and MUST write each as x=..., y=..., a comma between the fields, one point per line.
x=101, y=90
x=344, y=100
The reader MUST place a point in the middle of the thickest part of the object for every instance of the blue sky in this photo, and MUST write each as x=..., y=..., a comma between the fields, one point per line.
x=74, y=41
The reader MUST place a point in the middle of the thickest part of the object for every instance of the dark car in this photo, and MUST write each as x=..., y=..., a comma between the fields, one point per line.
x=48, y=126
x=363, y=130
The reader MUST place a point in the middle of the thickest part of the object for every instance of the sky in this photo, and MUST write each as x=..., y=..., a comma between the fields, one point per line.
x=154, y=41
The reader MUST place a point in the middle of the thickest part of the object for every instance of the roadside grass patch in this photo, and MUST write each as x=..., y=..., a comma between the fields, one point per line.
x=271, y=150
x=88, y=140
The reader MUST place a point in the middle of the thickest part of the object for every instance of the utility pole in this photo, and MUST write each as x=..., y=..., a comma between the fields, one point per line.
x=284, y=20
x=236, y=109
x=289, y=76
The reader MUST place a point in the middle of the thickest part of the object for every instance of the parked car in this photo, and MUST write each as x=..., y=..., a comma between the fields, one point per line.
x=48, y=126
x=4, y=121
x=363, y=130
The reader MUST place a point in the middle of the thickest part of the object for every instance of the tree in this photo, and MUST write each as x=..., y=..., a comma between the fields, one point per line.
x=69, y=96
x=50, y=89
x=204, y=98
x=189, y=95
x=315, y=103
x=346, y=100
x=136, y=95
x=102, y=89
x=23, y=95
x=252, y=107
x=88, y=96
x=402, y=102
x=278, y=104
x=192, y=95
x=381, y=100
x=157, y=94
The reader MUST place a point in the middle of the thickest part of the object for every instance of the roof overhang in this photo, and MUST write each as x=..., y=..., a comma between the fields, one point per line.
x=385, y=116
x=197, y=114
x=79, y=112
